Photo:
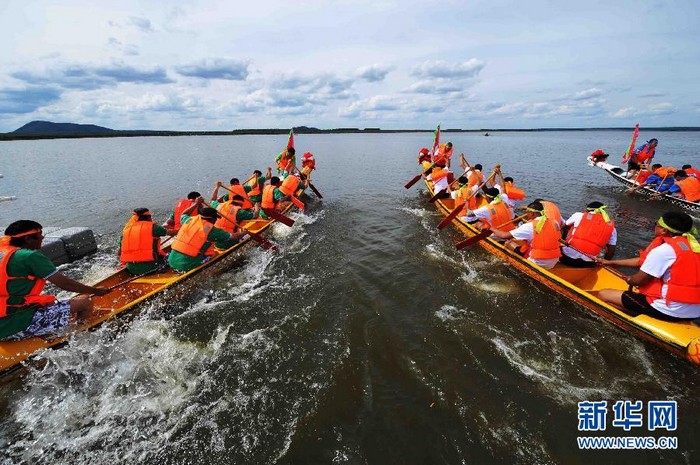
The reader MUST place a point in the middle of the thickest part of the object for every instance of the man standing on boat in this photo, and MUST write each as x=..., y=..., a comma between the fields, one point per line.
x=285, y=161
x=669, y=275
x=24, y=311
x=642, y=156
x=139, y=248
x=541, y=234
x=198, y=238
x=588, y=234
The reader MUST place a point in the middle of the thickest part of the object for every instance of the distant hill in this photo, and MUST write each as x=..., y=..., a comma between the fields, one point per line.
x=47, y=127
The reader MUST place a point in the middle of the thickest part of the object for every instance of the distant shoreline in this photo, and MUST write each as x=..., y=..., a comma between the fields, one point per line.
x=239, y=132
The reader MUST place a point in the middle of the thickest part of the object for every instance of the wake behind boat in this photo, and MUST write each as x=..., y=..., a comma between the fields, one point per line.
x=619, y=175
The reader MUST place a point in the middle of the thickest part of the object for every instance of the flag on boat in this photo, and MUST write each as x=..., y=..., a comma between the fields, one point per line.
x=630, y=150
x=436, y=141
x=290, y=142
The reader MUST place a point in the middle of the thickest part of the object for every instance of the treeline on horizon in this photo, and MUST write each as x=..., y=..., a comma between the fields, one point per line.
x=76, y=134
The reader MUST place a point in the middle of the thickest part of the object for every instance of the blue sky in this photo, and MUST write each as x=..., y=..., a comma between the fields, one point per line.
x=221, y=65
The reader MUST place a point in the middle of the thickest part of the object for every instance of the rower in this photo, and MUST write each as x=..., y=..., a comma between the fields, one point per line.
x=174, y=220
x=197, y=238
x=139, y=246
x=496, y=212
x=440, y=178
x=662, y=178
x=24, y=311
x=669, y=273
x=588, y=234
x=691, y=171
x=685, y=187
x=271, y=195
x=233, y=208
x=238, y=189
x=256, y=184
x=541, y=235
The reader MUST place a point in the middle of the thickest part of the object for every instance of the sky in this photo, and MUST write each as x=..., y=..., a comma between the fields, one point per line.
x=222, y=65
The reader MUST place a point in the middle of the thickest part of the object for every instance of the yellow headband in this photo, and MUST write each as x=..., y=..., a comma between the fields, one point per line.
x=690, y=235
x=542, y=220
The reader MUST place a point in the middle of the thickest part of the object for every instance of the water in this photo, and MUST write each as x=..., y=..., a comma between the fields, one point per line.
x=367, y=339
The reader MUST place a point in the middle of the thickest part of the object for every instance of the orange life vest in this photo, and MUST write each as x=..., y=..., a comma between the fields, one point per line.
x=442, y=156
x=437, y=174
x=690, y=188
x=191, y=239
x=692, y=172
x=513, y=192
x=643, y=176
x=230, y=210
x=289, y=185
x=645, y=153
x=138, y=242
x=180, y=207
x=500, y=213
x=551, y=211
x=268, y=197
x=665, y=171
x=240, y=190
x=684, y=278
x=475, y=178
x=545, y=244
x=591, y=234
x=33, y=297
x=255, y=186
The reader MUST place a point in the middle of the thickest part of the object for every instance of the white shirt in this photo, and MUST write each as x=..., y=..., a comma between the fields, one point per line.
x=439, y=185
x=526, y=232
x=658, y=264
x=504, y=196
x=574, y=221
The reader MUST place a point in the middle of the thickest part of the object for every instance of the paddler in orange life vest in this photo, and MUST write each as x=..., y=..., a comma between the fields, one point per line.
x=238, y=190
x=443, y=156
x=235, y=206
x=272, y=196
x=588, y=234
x=181, y=205
x=24, y=311
x=198, y=238
x=254, y=186
x=139, y=248
x=641, y=156
x=510, y=193
x=668, y=279
x=495, y=213
x=691, y=171
x=685, y=187
x=540, y=234
x=285, y=160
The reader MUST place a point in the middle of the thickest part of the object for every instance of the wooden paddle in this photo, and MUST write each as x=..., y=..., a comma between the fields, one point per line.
x=453, y=214
x=257, y=237
x=484, y=234
x=410, y=183
x=634, y=189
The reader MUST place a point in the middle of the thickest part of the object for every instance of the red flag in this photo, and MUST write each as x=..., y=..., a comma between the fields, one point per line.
x=290, y=142
x=436, y=141
x=630, y=150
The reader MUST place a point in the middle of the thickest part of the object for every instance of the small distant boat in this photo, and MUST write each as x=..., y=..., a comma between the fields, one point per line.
x=619, y=175
x=487, y=134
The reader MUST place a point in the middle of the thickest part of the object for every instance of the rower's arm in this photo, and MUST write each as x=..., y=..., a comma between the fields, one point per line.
x=71, y=285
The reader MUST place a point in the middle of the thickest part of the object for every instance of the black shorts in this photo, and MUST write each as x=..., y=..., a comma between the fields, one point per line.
x=635, y=304
x=633, y=165
x=575, y=262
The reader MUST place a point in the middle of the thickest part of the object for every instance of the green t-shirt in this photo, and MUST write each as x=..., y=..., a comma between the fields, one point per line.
x=24, y=262
x=145, y=267
x=181, y=262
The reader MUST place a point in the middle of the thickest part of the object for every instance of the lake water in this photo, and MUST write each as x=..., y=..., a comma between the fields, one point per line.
x=367, y=339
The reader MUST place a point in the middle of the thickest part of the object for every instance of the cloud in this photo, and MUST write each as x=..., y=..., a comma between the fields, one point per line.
x=624, y=112
x=27, y=100
x=653, y=95
x=93, y=77
x=662, y=109
x=443, y=69
x=437, y=86
x=593, y=92
x=374, y=73
x=216, y=68
x=143, y=24
x=369, y=106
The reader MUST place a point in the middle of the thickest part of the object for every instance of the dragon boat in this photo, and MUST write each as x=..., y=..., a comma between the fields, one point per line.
x=129, y=291
x=581, y=285
x=619, y=175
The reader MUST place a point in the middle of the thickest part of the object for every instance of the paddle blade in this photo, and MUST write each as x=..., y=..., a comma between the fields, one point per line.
x=412, y=182
x=262, y=241
x=313, y=188
x=439, y=195
x=275, y=215
x=448, y=219
x=473, y=240
x=299, y=204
